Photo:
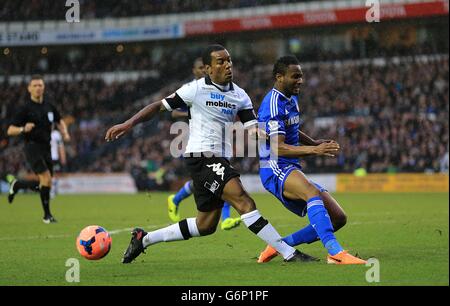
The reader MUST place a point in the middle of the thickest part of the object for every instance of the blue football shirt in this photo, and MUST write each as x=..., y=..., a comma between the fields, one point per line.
x=279, y=115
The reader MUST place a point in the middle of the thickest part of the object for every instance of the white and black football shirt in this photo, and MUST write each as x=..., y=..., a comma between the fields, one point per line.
x=212, y=111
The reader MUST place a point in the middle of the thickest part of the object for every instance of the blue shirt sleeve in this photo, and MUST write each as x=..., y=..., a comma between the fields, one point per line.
x=275, y=120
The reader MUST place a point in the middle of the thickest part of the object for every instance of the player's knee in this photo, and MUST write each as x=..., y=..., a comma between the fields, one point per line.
x=309, y=191
x=312, y=191
x=208, y=230
x=339, y=221
x=244, y=204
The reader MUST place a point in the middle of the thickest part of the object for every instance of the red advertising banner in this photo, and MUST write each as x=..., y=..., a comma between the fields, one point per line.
x=321, y=17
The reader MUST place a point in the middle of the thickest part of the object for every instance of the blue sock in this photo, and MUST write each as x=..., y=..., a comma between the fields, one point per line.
x=183, y=193
x=306, y=235
x=225, y=211
x=320, y=220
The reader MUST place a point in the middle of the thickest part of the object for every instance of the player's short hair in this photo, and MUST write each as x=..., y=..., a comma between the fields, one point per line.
x=282, y=64
x=206, y=55
x=37, y=77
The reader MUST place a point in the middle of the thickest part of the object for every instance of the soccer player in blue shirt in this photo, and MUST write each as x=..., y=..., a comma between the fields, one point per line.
x=174, y=200
x=281, y=173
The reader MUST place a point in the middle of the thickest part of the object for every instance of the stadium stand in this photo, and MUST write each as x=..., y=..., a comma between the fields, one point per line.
x=41, y=9
x=384, y=100
x=393, y=120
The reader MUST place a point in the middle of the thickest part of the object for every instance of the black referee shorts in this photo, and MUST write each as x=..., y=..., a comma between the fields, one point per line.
x=210, y=175
x=39, y=157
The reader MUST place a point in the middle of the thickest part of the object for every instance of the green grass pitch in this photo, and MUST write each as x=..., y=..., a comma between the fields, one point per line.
x=407, y=233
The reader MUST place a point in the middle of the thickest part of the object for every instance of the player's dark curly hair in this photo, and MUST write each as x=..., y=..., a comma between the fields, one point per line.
x=282, y=64
x=206, y=55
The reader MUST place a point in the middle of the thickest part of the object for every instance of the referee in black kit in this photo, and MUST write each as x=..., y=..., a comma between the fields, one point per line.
x=34, y=121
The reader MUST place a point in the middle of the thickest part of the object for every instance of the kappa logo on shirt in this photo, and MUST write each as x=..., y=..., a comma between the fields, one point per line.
x=51, y=116
x=218, y=169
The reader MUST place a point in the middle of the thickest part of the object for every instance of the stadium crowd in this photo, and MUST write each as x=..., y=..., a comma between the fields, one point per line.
x=148, y=57
x=83, y=59
x=388, y=117
x=42, y=9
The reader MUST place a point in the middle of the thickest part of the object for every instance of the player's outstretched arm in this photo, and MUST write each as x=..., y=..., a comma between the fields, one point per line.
x=283, y=149
x=176, y=114
x=309, y=141
x=144, y=114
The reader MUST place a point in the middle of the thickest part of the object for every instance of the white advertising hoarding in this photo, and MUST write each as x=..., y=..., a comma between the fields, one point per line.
x=107, y=35
x=96, y=183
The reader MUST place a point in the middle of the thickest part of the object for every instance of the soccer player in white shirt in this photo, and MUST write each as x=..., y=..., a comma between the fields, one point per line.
x=174, y=200
x=214, y=102
x=58, y=152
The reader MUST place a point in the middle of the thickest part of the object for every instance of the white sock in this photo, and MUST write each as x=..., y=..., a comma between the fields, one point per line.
x=264, y=230
x=182, y=230
x=192, y=226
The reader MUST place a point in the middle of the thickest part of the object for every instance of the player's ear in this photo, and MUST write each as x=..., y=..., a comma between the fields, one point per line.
x=208, y=69
x=279, y=77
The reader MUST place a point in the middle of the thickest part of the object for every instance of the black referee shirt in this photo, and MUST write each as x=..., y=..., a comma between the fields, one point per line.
x=43, y=115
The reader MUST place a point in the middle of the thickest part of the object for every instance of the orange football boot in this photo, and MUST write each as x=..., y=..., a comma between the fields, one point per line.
x=267, y=255
x=344, y=258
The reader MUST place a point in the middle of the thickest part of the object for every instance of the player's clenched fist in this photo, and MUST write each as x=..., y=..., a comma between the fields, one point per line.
x=117, y=131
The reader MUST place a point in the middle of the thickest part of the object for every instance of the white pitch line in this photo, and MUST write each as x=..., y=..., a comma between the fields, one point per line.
x=350, y=223
x=118, y=231
x=113, y=232
x=33, y=237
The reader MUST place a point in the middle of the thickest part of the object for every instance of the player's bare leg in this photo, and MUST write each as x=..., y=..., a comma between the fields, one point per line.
x=207, y=221
x=204, y=224
x=298, y=187
x=235, y=194
x=337, y=214
x=338, y=220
